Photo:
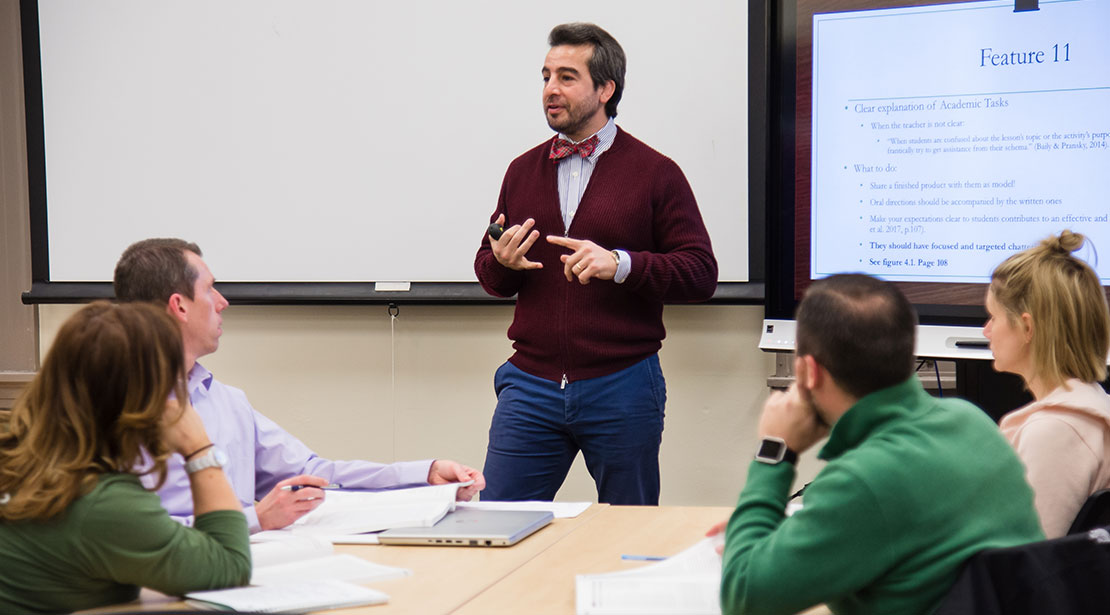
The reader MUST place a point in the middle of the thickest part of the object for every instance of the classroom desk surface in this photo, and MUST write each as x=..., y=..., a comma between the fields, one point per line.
x=446, y=578
x=535, y=576
x=545, y=584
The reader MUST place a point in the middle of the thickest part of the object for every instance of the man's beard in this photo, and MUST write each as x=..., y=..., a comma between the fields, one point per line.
x=574, y=120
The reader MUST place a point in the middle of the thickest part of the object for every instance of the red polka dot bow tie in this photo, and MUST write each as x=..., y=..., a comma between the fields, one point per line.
x=562, y=148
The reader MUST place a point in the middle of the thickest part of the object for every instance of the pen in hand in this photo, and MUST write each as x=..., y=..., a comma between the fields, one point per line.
x=299, y=487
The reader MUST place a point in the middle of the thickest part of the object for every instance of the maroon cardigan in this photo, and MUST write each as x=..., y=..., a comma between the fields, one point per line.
x=637, y=200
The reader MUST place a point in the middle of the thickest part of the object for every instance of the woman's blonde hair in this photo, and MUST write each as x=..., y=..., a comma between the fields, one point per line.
x=1063, y=295
x=94, y=407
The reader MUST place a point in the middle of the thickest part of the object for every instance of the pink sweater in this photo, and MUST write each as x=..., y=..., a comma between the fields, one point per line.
x=1064, y=441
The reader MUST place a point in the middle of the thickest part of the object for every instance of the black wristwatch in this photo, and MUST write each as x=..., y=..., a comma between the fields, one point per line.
x=774, y=451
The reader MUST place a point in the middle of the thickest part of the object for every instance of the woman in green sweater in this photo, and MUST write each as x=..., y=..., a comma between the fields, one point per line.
x=77, y=529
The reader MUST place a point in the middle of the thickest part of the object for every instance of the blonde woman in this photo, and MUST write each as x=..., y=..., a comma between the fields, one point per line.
x=1049, y=324
x=77, y=529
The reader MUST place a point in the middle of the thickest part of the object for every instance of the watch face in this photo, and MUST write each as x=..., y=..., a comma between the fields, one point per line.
x=771, y=449
x=214, y=458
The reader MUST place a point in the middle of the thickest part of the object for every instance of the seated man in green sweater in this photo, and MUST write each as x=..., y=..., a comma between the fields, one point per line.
x=914, y=485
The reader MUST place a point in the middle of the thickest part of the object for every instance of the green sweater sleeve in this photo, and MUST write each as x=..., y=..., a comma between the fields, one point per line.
x=831, y=548
x=127, y=536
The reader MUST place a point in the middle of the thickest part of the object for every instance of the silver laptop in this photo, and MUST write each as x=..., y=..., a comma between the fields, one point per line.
x=467, y=527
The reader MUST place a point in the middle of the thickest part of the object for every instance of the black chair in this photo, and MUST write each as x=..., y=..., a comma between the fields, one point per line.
x=1095, y=513
x=1063, y=576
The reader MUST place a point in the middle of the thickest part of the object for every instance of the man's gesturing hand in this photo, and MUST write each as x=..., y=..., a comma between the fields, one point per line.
x=588, y=260
x=514, y=243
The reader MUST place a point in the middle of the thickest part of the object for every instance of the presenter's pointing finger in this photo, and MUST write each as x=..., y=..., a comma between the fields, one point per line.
x=566, y=242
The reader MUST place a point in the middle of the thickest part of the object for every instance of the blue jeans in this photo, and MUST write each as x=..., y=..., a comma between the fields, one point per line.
x=538, y=429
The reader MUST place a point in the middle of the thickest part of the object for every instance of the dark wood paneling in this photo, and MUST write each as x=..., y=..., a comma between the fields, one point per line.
x=18, y=327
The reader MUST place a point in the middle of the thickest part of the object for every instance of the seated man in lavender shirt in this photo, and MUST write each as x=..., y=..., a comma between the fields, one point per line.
x=261, y=457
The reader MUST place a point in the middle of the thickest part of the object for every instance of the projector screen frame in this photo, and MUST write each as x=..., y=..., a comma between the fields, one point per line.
x=46, y=291
x=786, y=276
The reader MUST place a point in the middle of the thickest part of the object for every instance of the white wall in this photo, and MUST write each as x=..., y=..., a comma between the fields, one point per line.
x=326, y=375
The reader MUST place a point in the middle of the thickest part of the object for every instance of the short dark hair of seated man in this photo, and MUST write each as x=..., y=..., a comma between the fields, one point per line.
x=861, y=329
x=913, y=485
x=153, y=269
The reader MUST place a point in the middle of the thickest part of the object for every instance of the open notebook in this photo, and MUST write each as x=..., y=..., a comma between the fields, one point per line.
x=351, y=516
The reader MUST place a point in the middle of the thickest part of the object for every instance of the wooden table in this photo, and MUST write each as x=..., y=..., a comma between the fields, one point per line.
x=535, y=576
x=545, y=584
x=446, y=578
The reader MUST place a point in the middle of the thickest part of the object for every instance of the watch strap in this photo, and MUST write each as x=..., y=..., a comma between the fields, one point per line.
x=789, y=456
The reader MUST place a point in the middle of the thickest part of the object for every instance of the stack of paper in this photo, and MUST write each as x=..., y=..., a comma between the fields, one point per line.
x=290, y=598
x=307, y=558
x=561, y=510
x=688, y=583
